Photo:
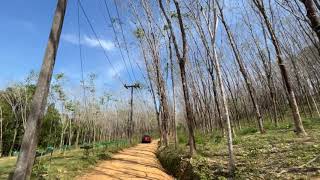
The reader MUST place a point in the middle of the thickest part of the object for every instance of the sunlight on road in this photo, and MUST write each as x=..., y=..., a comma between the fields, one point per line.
x=138, y=162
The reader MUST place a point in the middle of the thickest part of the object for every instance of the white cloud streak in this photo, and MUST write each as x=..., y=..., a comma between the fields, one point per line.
x=89, y=42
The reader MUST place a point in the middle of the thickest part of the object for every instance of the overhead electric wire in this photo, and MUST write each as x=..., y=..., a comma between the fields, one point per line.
x=117, y=40
x=100, y=44
x=126, y=45
x=123, y=37
x=81, y=57
x=105, y=53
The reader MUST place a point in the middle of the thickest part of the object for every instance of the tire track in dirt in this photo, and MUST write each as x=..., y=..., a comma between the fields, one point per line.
x=139, y=162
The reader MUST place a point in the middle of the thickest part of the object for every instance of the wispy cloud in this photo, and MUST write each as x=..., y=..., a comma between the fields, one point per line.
x=89, y=42
x=113, y=73
x=107, y=45
x=70, y=38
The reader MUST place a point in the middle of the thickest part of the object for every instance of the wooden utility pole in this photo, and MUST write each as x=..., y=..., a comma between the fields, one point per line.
x=30, y=138
x=1, y=119
x=130, y=123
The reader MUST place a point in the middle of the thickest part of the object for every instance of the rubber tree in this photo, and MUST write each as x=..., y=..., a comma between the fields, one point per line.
x=299, y=129
x=312, y=14
x=182, y=59
x=232, y=165
x=248, y=81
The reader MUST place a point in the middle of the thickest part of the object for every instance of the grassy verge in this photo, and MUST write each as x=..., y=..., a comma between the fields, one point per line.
x=67, y=164
x=278, y=154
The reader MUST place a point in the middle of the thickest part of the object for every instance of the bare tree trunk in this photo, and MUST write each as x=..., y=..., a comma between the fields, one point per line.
x=152, y=90
x=14, y=138
x=163, y=101
x=30, y=138
x=266, y=61
x=232, y=165
x=244, y=73
x=174, y=125
x=70, y=132
x=182, y=60
x=286, y=80
x=312, y=14
x=77, y=137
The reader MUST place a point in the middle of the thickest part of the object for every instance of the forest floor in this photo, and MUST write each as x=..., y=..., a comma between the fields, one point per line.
x=277, y=154
x=139, y=162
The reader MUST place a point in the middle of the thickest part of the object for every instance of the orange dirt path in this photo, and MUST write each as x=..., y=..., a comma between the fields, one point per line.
x=139, y=162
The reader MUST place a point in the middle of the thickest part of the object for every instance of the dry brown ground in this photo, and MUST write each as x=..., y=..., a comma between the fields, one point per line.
x=139, y=162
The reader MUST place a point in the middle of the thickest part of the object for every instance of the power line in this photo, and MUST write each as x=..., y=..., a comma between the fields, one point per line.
x=126, y=45
x=81, y=57
x=123, y=37
x=125, y=42
x=104, y=51
x=100, y=44
x=117, y=40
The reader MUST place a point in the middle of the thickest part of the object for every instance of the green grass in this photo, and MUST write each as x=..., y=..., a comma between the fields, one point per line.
x=64, y=165
x=273, y=155
x=6, y=165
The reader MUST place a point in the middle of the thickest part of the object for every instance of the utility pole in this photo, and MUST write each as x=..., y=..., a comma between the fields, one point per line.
x=130, y=123
x=1, y=119
x=39, y=101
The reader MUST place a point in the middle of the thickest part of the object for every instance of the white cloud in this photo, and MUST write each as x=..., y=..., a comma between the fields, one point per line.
x=89, y=42
x=107, y=45
x=70, y=38
x=113, y=73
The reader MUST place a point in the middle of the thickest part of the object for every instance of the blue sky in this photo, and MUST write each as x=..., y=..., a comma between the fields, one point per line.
x=24, y=33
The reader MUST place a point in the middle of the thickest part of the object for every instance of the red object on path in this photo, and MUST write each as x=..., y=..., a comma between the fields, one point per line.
x=146, y=139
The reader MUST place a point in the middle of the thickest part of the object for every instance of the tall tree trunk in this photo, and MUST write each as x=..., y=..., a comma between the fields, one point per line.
x=244, y=73
x=77, y=137
x=70, y=132
x=163, y=101
x=312, y=14
x=284, y=73
x=174, y=125
x=266, y=62
x=182, y=60
x=232, y=165
x=152, y=90
x=30, y=138
x=14, y=138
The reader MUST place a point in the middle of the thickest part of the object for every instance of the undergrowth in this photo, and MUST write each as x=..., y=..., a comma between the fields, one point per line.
x=277, y=154
x=65, y=164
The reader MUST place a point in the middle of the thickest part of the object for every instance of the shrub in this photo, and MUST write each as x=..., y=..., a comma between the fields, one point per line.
x=200, y=138
x=104, y=155
x=201, y=168
x=170, y=159
x=217, y=139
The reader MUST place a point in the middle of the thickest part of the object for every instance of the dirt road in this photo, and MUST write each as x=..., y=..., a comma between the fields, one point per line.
x=138, y=162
